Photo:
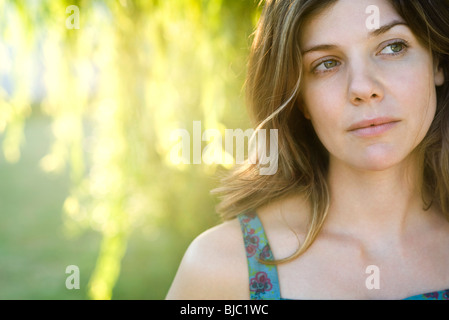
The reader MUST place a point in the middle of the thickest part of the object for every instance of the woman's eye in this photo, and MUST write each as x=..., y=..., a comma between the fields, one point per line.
x=394, y=48
x=326, y=66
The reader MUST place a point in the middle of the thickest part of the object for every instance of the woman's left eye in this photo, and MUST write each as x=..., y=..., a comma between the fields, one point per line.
x=394, y=48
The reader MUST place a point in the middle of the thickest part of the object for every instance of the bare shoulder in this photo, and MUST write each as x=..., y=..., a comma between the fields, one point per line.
x=213, y=267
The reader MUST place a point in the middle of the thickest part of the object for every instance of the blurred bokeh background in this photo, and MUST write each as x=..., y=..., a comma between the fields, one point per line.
x=90, y=93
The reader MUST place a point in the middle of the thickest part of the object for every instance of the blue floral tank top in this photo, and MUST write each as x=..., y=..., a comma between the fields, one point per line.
x=263, y=278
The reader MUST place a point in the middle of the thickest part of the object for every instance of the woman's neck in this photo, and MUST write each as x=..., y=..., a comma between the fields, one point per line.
x=373, y=204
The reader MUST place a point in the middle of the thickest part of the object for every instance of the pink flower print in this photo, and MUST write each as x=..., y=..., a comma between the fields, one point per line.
x=249, y=216
x=266, y=254
x=260, y=283
x=251, y=243
x=431, y=295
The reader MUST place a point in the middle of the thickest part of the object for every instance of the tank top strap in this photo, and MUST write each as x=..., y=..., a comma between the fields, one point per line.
x=263, y=278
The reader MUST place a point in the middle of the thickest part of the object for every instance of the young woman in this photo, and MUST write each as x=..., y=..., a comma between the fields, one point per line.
x=359, y=205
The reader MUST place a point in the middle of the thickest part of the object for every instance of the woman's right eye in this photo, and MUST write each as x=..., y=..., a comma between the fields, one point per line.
x=326, y=65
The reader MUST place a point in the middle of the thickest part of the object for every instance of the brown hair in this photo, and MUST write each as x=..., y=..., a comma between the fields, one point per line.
x=274, y=102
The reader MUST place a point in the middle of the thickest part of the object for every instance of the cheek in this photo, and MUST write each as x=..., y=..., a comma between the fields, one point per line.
x=414, y=93
x=411, y=81
x=325, y=104
x=410, y=85
x=326, y=117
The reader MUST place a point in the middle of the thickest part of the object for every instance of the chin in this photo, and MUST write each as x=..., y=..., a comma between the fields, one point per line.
x=379, y=162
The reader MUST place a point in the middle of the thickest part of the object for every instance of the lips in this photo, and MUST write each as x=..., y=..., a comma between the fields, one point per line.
x=373, y=128
x=372, y=123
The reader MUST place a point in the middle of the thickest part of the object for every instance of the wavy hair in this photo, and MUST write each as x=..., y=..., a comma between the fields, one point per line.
x=274, y=102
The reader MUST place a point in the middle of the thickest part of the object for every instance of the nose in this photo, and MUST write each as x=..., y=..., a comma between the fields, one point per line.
x=364, y=85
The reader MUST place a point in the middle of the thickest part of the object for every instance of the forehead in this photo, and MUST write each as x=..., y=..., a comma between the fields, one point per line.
x=346, y=19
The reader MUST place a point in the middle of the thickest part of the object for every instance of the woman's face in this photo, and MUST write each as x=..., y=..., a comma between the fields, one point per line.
x=369, y=93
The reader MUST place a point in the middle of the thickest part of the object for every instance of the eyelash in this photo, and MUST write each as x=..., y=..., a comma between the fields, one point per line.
x=404, y=43
x=401, y=42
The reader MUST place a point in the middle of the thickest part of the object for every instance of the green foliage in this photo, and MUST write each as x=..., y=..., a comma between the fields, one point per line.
x=114, y=90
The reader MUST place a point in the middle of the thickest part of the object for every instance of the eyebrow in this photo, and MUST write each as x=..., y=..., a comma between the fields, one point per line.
x=374, y=33
x=385, y=28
